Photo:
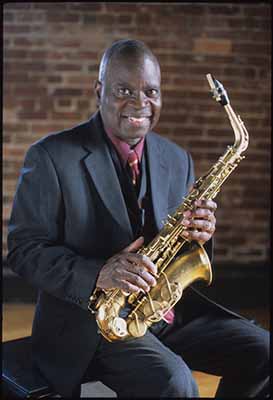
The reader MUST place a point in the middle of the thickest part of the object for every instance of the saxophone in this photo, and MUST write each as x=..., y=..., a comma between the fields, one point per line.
x=124, y=316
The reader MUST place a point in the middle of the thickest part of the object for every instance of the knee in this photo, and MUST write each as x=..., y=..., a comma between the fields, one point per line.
x=262, y=350
x=258, y=353
x=181, y=382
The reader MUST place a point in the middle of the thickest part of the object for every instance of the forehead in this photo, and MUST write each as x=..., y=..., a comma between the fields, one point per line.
x=134, y=70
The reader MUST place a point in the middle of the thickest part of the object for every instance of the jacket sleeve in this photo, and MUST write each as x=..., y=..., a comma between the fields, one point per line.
x=191, y=176
x=36, y=249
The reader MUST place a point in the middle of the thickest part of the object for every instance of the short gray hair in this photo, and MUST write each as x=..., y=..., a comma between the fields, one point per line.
x=123, y=47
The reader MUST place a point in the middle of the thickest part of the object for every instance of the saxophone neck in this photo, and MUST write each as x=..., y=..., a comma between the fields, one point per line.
x=240, y=132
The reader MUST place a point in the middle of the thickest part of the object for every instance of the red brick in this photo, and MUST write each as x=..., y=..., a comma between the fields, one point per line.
x=37, y=54
x=68, y=92
x=211, y=46
x=39, y=130
x=28, y=103
x=67, y=115
x=62, y=17
x=225, y=9
x=105, y=19
x=73, y=43
x=47, y=6
x=262, y=10
x=26, y=66
x=84, y=104
x=14, y=126
x=254, y=48
x=18, y=6
x=29, y=91
x=12, y=152
x=16, y=77
x=16, y=29
x=8, y=17
x=31, y=115
x=84, y=8
x=55, y=55
x=119, y=7
x=143, y=19
x=54, y=79
x=64, y=102
x=68, y=67
x=82, y=80
x=87, y=54
x=22, y=41
x=27, y=16
x=15, y=54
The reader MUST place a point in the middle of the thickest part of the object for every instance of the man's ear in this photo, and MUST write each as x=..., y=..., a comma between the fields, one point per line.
x=97, y=89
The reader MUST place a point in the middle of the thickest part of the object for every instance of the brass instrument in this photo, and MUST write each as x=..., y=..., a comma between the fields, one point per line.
x=175, y=272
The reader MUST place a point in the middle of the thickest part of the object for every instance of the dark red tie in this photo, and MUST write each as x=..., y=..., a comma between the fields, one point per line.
x=133, y=164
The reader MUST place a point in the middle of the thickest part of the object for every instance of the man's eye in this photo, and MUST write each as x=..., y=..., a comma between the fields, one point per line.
x=124, y=92
x=152, y=92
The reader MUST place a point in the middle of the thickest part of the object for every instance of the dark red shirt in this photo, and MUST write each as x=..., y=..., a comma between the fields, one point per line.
x=124, y=148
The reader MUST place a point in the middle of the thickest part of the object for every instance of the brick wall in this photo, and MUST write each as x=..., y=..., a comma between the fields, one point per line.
x=51, y=57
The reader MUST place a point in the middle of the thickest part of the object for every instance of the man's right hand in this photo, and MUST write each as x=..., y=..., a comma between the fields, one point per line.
x=128, y=271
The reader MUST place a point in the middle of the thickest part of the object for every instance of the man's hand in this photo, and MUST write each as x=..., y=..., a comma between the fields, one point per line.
x=128, y=271
x=200, y=222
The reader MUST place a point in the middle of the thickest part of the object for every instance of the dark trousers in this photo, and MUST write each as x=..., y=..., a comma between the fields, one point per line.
x=160, y=363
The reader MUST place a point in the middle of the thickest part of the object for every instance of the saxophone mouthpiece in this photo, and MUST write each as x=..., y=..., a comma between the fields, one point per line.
x=218, y=91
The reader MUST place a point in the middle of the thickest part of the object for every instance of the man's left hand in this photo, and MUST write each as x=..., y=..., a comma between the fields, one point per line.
x=200, y=222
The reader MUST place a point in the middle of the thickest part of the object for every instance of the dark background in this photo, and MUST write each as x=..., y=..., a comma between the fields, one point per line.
x=51, y=58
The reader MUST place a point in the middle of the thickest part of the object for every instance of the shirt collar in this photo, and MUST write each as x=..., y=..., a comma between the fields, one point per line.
x=124, y=148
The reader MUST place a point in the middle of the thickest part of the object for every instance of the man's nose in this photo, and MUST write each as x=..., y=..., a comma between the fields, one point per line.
x=140, y=99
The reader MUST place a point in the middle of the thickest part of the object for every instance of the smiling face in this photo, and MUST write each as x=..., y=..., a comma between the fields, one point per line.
x=129, y=96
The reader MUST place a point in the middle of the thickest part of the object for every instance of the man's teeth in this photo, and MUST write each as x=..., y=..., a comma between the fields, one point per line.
x=134, y=119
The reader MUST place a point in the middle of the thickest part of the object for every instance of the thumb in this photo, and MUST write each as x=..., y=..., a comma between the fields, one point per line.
x=134, y=246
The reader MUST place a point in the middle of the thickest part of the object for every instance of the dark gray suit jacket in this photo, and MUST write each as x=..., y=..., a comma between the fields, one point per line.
x=68, y=218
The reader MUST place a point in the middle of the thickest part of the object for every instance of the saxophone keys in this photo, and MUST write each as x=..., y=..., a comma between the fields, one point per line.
x=101, y=313
x=175, y=294
x=126, y=294
x=171, y=220
x=137, y=327
x=118, y=326
x=154, y=312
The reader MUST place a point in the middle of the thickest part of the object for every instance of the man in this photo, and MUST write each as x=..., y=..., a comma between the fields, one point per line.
x=80, y=213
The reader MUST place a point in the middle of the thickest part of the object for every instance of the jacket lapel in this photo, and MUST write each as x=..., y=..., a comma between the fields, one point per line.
x=100, y=166
x=159, y=175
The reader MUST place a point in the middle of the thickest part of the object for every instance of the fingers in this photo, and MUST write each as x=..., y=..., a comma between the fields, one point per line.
x=128, y=271
x=136, y=269
x=200, y=222
x=199, y=236
x=209, y=204
x=141, y=280
x=134, y=246
x=143, y=261
x=128, y=287
x=123, y=274
x=143, y=274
